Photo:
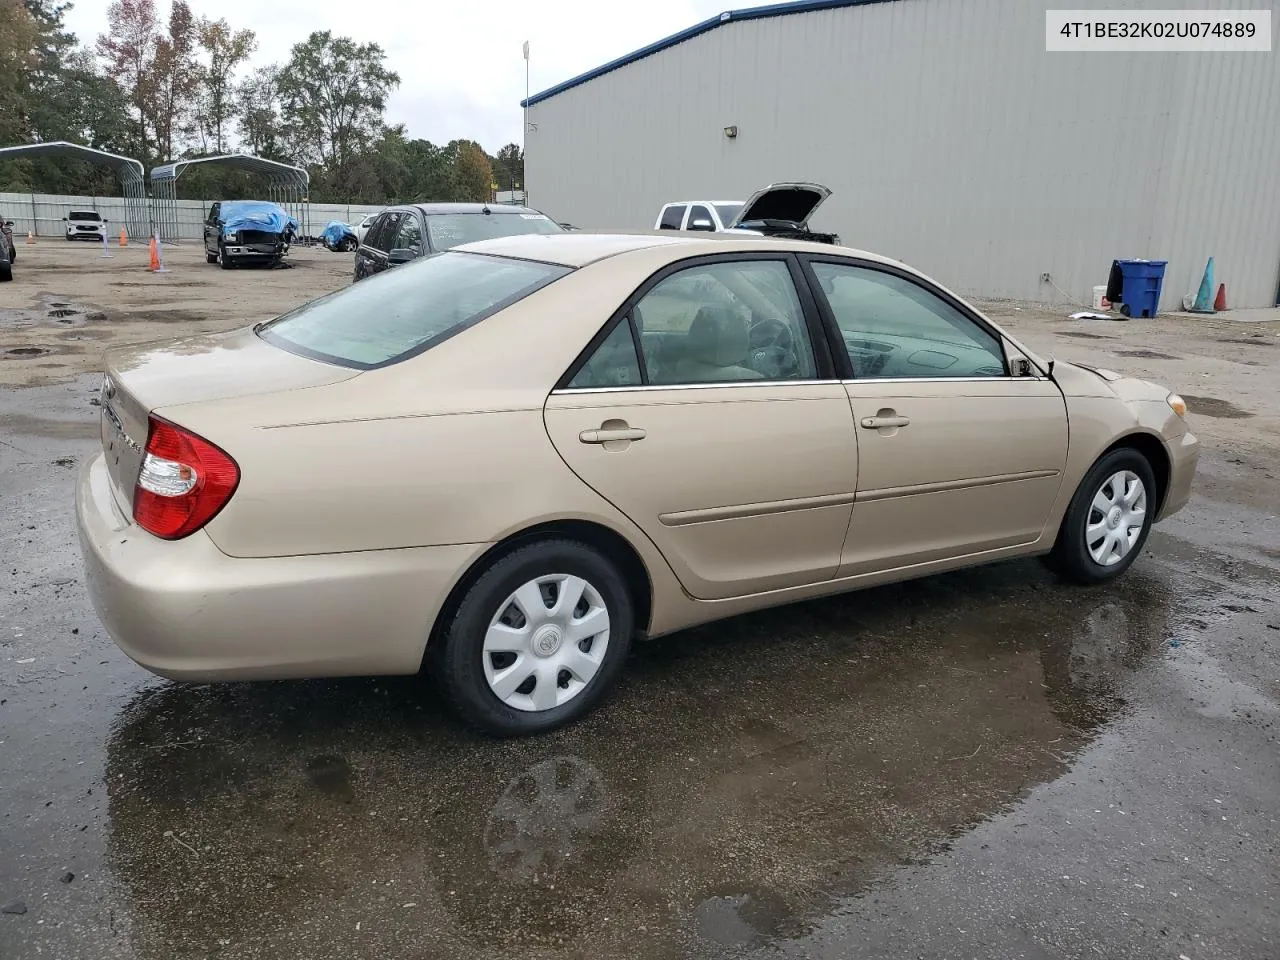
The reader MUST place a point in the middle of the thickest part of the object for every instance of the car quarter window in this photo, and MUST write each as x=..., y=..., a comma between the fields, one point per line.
x=894, y=327
x=672, y=215
x=613, y=363
x=726, y=321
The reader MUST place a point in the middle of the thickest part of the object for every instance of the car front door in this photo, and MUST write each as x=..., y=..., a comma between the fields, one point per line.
x=707, y=411
x=956, y=455
x=211, y=230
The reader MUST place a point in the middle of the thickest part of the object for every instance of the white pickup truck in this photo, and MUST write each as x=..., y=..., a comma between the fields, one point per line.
x=778, y=210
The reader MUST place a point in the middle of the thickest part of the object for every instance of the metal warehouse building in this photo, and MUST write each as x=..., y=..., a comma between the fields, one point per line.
x=950, y=138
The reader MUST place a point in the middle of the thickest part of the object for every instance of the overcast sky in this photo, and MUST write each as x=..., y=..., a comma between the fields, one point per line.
x=460, y=64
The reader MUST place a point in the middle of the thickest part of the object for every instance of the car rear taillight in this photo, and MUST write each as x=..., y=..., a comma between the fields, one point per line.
x=185, y=480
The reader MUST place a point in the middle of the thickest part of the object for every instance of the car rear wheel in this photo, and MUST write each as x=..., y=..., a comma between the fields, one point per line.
x=210, y=257
x=538, y=639
x=348, y=245
x=6, y=273
x=1107, y=522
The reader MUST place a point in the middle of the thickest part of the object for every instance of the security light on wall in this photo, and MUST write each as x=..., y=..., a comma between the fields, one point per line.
x=731, y=131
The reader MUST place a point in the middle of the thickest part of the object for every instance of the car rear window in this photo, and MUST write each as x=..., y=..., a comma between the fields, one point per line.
x=400, y=313
x=728, y=211
x=447, y=230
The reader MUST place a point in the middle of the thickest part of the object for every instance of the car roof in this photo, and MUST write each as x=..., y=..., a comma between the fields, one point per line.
x=447, y=208
x=581, y=247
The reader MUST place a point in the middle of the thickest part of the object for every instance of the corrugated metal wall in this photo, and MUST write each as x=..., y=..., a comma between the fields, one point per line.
x=42, y=213
x=952, y=140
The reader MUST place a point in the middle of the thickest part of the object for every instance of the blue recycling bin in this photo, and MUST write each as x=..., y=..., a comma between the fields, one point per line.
x=1136, y=285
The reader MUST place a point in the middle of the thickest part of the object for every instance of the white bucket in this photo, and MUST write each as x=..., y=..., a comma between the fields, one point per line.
x=1100, y=301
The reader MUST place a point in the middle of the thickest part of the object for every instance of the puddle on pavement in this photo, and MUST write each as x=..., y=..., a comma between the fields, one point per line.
x=1147, y=354
x=1081, y=335
x=744, y=775
x=49, y=311
x=22, y=425
x=1213, y=407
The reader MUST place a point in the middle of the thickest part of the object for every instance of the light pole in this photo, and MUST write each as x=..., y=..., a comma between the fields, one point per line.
x=524, y=134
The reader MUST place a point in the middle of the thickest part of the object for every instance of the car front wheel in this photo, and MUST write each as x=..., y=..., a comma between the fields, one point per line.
x=1107, y=522
x=223, y=261
x=538, y=639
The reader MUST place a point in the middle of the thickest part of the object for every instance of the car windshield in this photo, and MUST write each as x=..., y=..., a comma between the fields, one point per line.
x=84, y=215
x=728, y=211
x=400, y=313
x=447, y=230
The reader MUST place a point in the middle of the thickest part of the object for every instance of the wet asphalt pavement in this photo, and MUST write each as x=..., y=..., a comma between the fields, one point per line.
x=983, y=764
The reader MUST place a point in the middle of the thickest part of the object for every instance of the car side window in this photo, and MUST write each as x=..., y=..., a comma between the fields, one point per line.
x=385, y=232
x=375, y=228
x=893, y=327
x=213, y=213
x=671, y=217
x=728, y=321
x=409, y=236
x=613, y=363
x=700, y=218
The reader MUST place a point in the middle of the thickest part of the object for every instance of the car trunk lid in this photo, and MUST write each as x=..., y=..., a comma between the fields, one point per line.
x=142, y=379
x=794, y=202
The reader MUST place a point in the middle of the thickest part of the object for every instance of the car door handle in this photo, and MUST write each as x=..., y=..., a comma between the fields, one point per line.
x=878, y=423
x=609, y=435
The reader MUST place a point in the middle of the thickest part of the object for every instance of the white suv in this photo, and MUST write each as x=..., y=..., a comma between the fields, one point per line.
x=85, y=225
x=778, y=210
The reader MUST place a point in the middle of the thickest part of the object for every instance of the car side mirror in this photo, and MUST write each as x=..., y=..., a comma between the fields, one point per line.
x=402, y=255
x=1021, y=367
x=701, y=225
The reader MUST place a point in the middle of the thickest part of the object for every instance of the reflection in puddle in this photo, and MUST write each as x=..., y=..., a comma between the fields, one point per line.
x=745, y=775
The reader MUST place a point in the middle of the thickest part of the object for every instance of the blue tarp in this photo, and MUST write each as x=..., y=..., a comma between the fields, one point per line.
x=255, y=215
x=334, y=231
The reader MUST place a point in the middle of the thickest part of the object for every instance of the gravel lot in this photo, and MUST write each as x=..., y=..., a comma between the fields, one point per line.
x=983, y=764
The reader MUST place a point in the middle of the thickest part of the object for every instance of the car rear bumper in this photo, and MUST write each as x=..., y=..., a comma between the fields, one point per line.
x=185, y=610
x=1184, y=453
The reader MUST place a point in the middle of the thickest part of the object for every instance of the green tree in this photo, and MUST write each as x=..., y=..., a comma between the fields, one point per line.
x=508, y=168
x=128, y=51
x=176, y=81
x=19, y=35
x=333, y=98
x=473, y=175
x=258, y=107
x=225, y=50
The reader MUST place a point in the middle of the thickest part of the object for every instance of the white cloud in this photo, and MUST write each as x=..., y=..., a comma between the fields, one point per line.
x=461, y=70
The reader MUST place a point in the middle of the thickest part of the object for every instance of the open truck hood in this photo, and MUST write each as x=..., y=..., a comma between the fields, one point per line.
x=794, y=202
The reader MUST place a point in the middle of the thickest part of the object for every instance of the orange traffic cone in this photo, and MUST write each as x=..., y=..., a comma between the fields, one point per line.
x=1220, y=301
x=31, y=237
x=154, y=247
x=124, y=237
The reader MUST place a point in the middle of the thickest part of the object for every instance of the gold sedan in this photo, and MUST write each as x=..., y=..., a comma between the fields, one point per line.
x=507, y=461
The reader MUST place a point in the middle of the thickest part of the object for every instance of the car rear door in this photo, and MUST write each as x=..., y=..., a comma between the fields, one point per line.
x=731, y=447
x=956, y=455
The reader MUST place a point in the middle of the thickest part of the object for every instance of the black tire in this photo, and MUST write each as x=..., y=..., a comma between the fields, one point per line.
x=6, y=273
x=1070, y=557
x=210, y=257
x=223, y=261
x=348, y=245
x=13, y=255
x=458, y=659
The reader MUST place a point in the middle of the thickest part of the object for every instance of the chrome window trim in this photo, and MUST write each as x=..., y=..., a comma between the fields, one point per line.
x=693, y=386
x=1004, y=379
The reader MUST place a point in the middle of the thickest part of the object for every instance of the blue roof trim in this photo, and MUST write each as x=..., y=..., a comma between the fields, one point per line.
x=729, y=16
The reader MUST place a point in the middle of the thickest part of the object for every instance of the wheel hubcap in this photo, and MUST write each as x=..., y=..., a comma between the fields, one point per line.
x=546, y=642
x=1117, y=517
